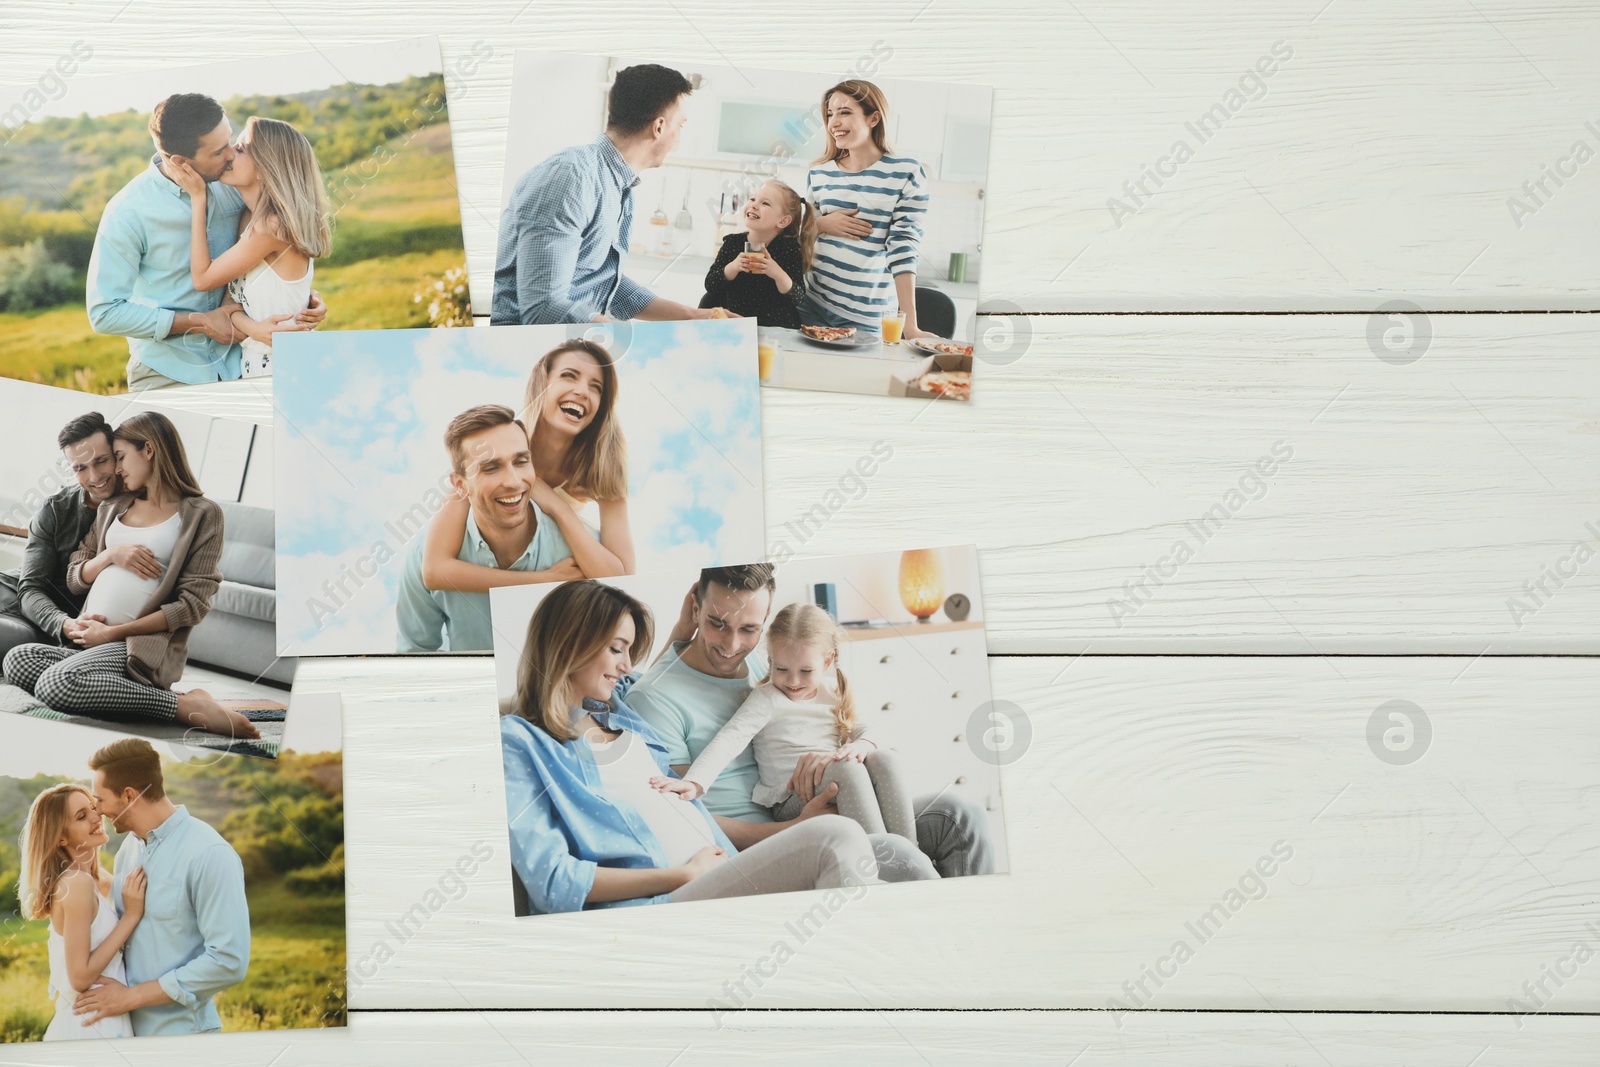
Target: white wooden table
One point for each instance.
(1225, 709)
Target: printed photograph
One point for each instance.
(418, 471)
(843, 214)
(757, 728)
(156, 889)
(137, 570)
(165, 228)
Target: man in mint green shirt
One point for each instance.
(139, 283)
(194, 939)
(492, 468)
(698, 683)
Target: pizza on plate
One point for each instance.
(829, 333)
(949, 384)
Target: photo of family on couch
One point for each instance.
(194, 229)
(147, 893)
(420, 472)
(751, 744)
(136, 570)
(846, 227)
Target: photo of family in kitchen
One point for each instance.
(843, 214)
(136, 570)
(746, 729)
(162, 229)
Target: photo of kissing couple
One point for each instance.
(751, 748)
(193, 230)
(149, 893)
(135, 571)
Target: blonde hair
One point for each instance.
(597, 465)
(45, 860)
(802, 222)
(872, 102)
(169, 461)
(809, 625)
(293, 196)
(570, 627)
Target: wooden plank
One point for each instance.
(1448, 505)
(913, 1039)
(1363, 168)
(1150, 791)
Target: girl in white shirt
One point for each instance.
(286, 229)
(804, 706)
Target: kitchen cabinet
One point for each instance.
(918, 687)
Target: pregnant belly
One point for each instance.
(119, 595)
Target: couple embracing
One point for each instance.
(701, 779)
(117, 571)
(209, 252)
(144, 949)
(539, 497)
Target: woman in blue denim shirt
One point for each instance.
(588, 827)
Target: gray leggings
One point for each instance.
(872, 792)
(827, 852)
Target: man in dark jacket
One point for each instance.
(35, 603)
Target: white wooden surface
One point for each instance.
(1416, 503)
(1419, 499)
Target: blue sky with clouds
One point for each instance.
(360, 424)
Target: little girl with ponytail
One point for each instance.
(766, 283)
(804, 706)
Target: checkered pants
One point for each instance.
(88, 681)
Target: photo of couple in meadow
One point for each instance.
(745, 747)
(825, 222)
(422, 471)
(135, 566)
(150, 894)
(221, 222)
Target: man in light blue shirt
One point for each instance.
(704, 675)
(565, 232)
(493, 471)
(194, 939)
(139, 282)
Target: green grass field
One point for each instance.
(396, 223)
(296, 979)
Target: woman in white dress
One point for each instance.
(64, 882)
(580, 460)
(285, 228)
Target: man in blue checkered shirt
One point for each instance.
(565, 231)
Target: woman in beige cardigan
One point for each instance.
(149, 567)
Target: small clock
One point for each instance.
(957, 607)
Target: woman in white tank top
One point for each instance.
(269, 270)
(63, 881)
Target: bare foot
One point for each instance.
(197, 708)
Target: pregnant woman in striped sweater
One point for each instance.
(870, 206)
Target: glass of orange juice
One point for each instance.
(892, 327)
(766, 355)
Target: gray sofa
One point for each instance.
(240, 633)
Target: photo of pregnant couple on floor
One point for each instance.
(739, 761)
(121, 577)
